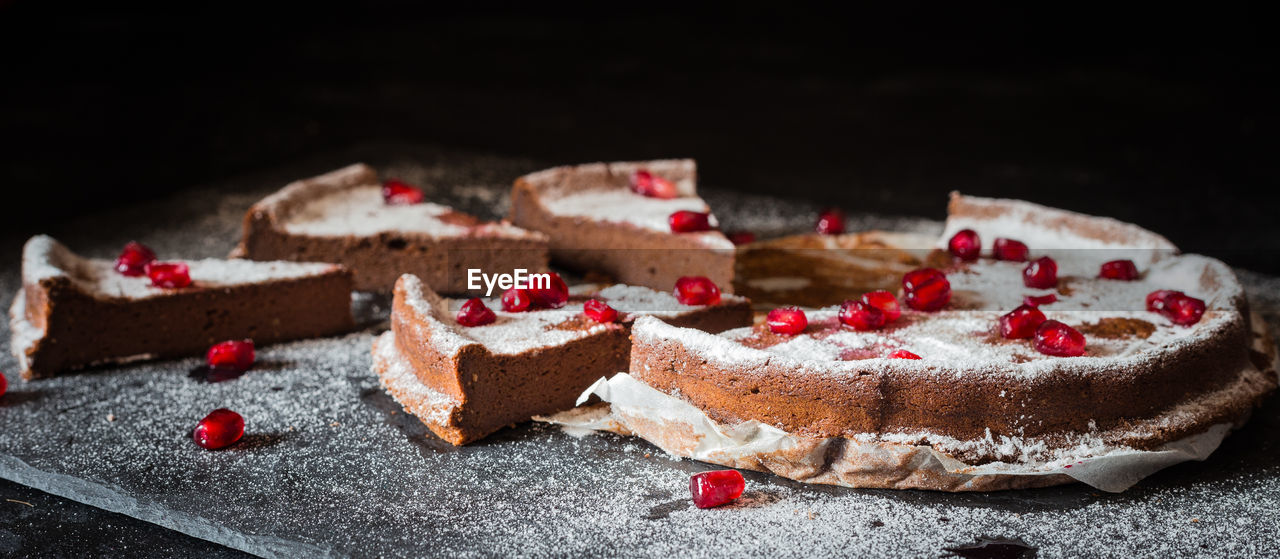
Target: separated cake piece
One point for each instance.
(381, 230)
(74, 312)
(468, 370)
(640, 222)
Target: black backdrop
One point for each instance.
(1164, 118)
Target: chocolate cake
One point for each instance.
(74, 312)
(976, 410)
(343, 217)
(599, 220)
(467, 382)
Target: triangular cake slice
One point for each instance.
(74, 312)
(467, 382)
(343, 217)
(598, 221)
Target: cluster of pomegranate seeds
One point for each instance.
(687, 221)
(1176, 306)
(965, 245)
(1058, 339)
(787, 320)
(715, 488)
(830, 222)
(1021, 323)
(1119, 270)
(475, 313)
(221, 428)
(553, 296)
(1041, 273)
(861, 316)
(697, 290)
(171, 275)
(599, 311)
(903, 354)
(1009, 249)
(134, 258)
(396, 192)
(741, 237)
(516, 300)
(651, 185)
(236, 355)
(1037, 300)
(926, 289)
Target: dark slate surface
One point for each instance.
(329, 466)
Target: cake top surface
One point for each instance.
(45, 258)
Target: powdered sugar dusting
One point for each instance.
(362, 211)
(396, 375)
(624, 206)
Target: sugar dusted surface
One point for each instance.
(362, 211)
(398, 377)
(619, 205)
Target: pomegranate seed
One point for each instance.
(1041, 273)
(697, 290)
(169, 275)
(1009, 249)
(1021, 323)
(134, 258)
(715, 488)
(685, 221)
(1058, 339)
(599, 311)
(965, 245)
(475, 313)
(651, 185)
(4, 384)
(742, 237)
(886, 302)
(553, 296)
(231, 354)
(903, 354)
(516, 300)
(787, 320)
(1156, 299)
(1119, 270)
(1182, 309)
(221, 428)
(830, 222)
(861, 316)
(396, 192)
(1037, 300)
(926, 289)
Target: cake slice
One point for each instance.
(380, 231)
(616, 218)
(467, 382)
(74, 312)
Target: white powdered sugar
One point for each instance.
(396, 375)
(631, 301)
(620, 205)
(362, 211)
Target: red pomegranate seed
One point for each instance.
(1156, 299)
(1009, 249)
(221, 428)
(926, 289)
(553, 296)
(396, 192)
(715, 488)
(1119, 270)
(651, 185)
(169, 275)
(235, 355)
(965, 245)
(4, 384)
(685, 221)
(1058, 339)
(742, 237)
(516, 300)
(903, 354)
(861, 316)
(1037, 300)
(1021, 323)
(475, 313)
(134, 258)
(1182, 309)
(599, 311)
(886, 302)
(787, 320)
(697, 290)
(830, 222)
(1041, 273)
